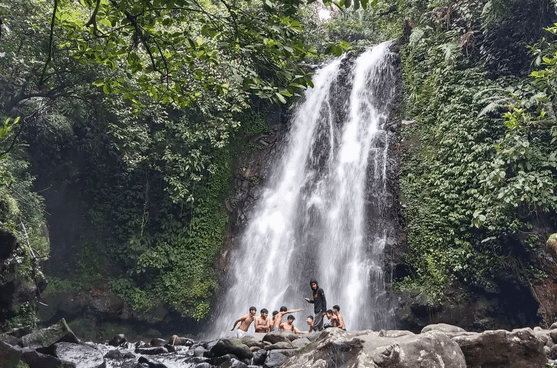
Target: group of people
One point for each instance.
(316, 322)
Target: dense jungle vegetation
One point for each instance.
(142, 107)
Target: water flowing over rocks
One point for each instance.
(437, 346)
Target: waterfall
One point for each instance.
(322, 214)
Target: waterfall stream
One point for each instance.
(322, 214)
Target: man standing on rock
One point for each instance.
(319, 304)
(263, 323)
(245, 320)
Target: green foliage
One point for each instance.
(478, 165)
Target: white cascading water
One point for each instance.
(322, 214)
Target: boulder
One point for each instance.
(9, 339)
(222, 359)
(553, 335)
(259, 357)
(233, 363)
(34, 359)
(118, 340)
(274, 337)
(158, 342)
(501, 348)
(552, 354)
(280, 345)
(300, 343)
(10, 356)
(274, 359)
(251, 341)
(443, 327)
(82, 356)
(151, 351)
(45, 337)
(151, 363)
(553, 326)
(334, 347)
(231, 346)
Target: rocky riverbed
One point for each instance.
(438, 345)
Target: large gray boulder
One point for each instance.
(368, 349)
(59, 332)
(231, 346)
(443, 327)
(501, 348)
(83, 356)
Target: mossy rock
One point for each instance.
(47, 336)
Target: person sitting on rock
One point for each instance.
(332, 318)
(336, 310)
(289, 325)
(309, 321)
(245, 320)
(278, 318)
(262, 323)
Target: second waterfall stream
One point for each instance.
(323, 211)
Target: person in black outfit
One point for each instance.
(319, 305)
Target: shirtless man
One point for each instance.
(336, 310)
(278, 318)
(245, 320)
(288, 325)
(309, 321)
(262, 323)
(334, 319)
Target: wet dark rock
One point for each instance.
(45, 337)
(197, 360)
(231, 346)
(114, 355)
(158, 342)
(151, 351)
(274, 337)
(170, 348)
(118, 340)
(221, 359)
(233, 363)
(34, 359)
(500, 348)
(151, 363)
(199, 351)
(203, 365)
(9, 355)
(552, 353)
(274, 359)
(82, 356)
(259, 357)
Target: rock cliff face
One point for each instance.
(14, 289)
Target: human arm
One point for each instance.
(322, 295)
(308, 300)
(238, 321)
(293, 311)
